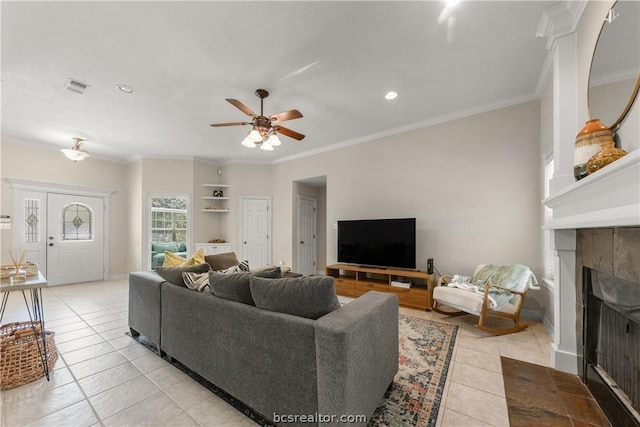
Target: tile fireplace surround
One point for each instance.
(596, 223)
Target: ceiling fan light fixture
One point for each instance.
(248, 142)
(273, 140)
(265, 146)
(255, 136)
(76, 153)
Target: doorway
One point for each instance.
(75, 235)
(307, 220)
(309, 226)
(63, 229)
(256, 230)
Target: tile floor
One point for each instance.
(565, 399)
(104, 378)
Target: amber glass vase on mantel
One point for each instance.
(595, 148)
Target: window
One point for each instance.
(32, 220)
(547, 250)
(168, 219)
(77, 222)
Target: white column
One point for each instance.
(564, 346)
(564, 110)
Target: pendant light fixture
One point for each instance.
(76, 153)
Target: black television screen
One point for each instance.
(378, 242)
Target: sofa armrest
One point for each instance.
(357, 355)
(145, 311)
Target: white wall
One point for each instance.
(23, 160)
(135, 213)
(472, 184)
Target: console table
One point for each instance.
(34, 285)
(353, 281)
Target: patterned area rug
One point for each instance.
(414, 397)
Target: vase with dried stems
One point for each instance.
(18, 274)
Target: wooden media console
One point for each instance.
(353, 281)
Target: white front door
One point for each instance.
(306, 235)
(256, 228)
(75, 239)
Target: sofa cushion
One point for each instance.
(173, 260)
(196, 281)
(222, 261)
(182, 247)
(234, 287)
(174, 274)
(160, 247)
(308, 296)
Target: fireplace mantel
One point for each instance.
(609, 197)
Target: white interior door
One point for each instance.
(306, 235)
(256, 228)
(75, 239)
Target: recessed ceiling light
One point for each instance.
(391, 95)
(126, 89)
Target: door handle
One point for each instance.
(301, 242)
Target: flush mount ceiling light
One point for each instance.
(265, 129)
(75, 153)
(391, 95)
(125, 88)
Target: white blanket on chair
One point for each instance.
(516, 277)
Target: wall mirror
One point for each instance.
(614, 78)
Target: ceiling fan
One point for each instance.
(264, 127)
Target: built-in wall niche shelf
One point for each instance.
(217, 193)
(216, 210)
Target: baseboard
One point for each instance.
(564, 361)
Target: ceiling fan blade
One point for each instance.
(217, 125)
(288, 132)
(286, 115)
(240, 106)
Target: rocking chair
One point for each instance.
(492, 291)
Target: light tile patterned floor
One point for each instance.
(104, 378)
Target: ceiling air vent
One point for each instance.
(75, 86)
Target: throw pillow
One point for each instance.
(174, 274)
(268, 273)
(244, 265)
(231, 270)
(196, 281)
(222, 261)
(308, 296)
(173, 260)
(234, 287)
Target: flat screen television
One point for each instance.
(378, 242)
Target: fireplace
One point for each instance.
(611, 345)
(608, 319)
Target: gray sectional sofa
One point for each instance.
(281, 365)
